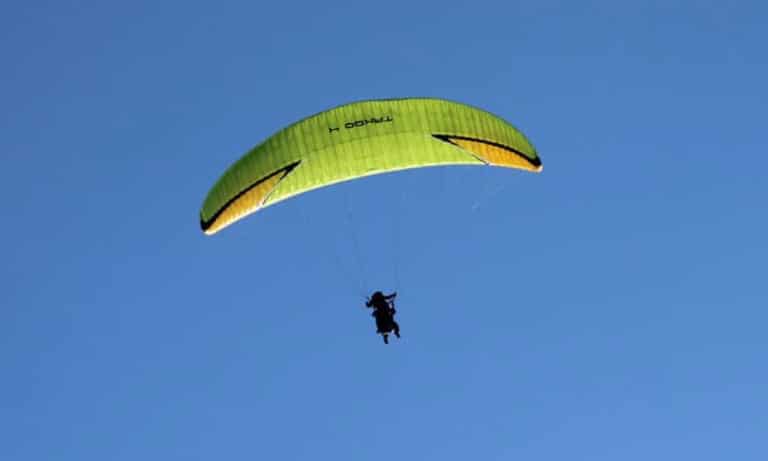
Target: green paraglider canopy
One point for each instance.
(362, 139)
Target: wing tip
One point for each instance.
(245, 202)
(206, 226)
(494, 153)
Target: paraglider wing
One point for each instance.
(362, 139)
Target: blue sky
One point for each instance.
(613, 307)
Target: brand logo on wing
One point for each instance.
(361, 123)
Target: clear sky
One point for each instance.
(611, 308)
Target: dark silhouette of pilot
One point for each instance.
(384, 313)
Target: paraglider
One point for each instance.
(357, 140)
